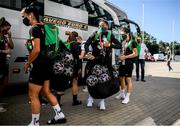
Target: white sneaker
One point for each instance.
(37, 124)
(2, 109)
(102, 105)
(120, 96)
(126, 100)
(85, 89)
(90, 102)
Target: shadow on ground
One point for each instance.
(158, 99)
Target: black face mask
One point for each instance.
(26, 21)
(124, 37)
(5, 32)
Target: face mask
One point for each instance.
(26, 21)
(138, 41)
(124, 36)
(5, 32)
(102, 30)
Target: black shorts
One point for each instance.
(60, 82)
(41, 71)
(77, 68)
(125, 70)
(4, 70)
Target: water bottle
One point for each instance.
(29, 45)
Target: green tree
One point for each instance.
(151, 43)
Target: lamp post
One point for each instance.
(173, 52)
(143, 22)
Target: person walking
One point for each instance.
(169, 58)
(40, 73)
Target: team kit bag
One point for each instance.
(64, 63)
(100, 84)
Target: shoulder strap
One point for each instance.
(109, 36)
(96, 36)
(68, 45)
(129, 44)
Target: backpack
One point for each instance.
(51, 33)
(64, 62)
(51, 40)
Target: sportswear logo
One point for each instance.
(35, 121)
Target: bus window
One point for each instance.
(97, 14)
(73, 3)
(38, 4)
(11, 4)
(120, 13)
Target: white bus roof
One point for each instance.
(119, 12)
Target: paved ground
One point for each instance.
(155, 102)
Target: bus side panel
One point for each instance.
(65, 12)
(19, 33)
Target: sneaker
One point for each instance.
(137, 79)
(85, 89)
(120, 96)
(143, 80)
(34, 124)
(76, 103)
(126, 100)
(2, 109)
(90, 103)
(59, 121)
(102, 106)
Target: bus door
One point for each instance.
(116, 52)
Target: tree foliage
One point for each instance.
(161, 46)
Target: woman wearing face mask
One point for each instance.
(6, 44)
(41, 71)
(129, 51)
(102, 43)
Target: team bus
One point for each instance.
(69, 15)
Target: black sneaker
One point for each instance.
(143, 80)
(137, 79)
(76, 103)
(59, 121)
(43, 101)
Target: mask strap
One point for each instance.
(100, 39)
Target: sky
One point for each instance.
(160, 17)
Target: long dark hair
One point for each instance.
(3, 24)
